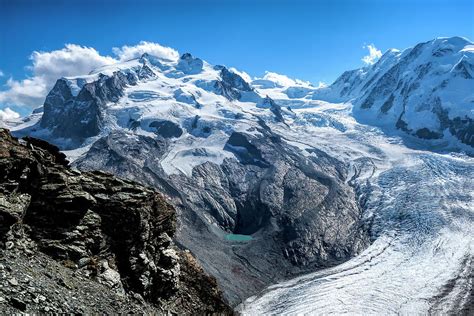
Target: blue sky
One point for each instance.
(309, 40)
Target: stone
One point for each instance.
(139, 298)
(17, 303)
(83, 262)
(110, 276)
(13, 282)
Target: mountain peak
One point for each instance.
(186, 56)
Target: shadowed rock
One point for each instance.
(113, 232)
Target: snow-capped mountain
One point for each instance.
(278, 167)
(210, 140)
(426, 90)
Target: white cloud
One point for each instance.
(28, 92)
(130, 52)
(8, 114)
(47, 67)
(284, 81)
(72, 60)
(374, 54)
(1, 73)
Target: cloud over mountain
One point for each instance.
(129, 52)
(8, 114)
(72, 60)
(373, 56)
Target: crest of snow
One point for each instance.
(243, 74)
(373, 56)
(468, 48)
(321, 85)
(8, 114)
(283, 80)
(184, 155)
(129, 52)
(110, 69)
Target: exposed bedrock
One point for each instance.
(266, 214)
(108, 237)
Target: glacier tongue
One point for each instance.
(421, 261)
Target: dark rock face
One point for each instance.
(275, 108)
(114, 234)
(464, 69)
(298, 209)
(463, 128)
(231, 84)
(243, 149)
(427, 134)
(234, 80)
(78, 117)
(190, 65)
(166, 129)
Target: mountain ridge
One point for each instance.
(440, 90)
(445, 65)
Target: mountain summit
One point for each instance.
(426, 91)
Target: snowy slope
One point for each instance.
(426, 91)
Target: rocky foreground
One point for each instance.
(89, 242)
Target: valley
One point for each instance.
(351, 198)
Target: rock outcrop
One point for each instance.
(231, 84)
(89, 242)
(73, 108)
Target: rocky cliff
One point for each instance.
(73, 242)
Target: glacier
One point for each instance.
(421, 208)
(367, 181)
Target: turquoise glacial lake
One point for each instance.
(237, 237)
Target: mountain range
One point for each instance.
(270, 178)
